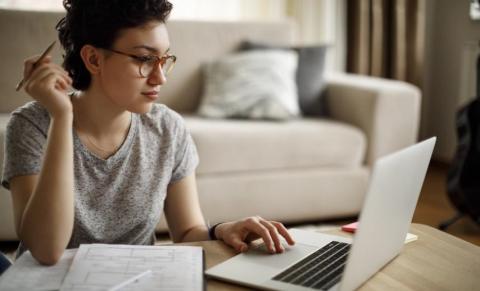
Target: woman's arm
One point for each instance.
(43, 204)
(186, 222)
(183, 213)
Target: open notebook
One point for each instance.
(102, 266)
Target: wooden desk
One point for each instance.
(436, 261)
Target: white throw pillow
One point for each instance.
(256, 84)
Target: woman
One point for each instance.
(103, 163)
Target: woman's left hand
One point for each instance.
(238, 233)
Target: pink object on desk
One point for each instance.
(352, 227)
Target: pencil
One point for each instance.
(129, 281)
(45, 53)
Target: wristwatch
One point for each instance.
(211, 231)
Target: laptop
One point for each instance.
(327, 262)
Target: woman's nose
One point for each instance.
(157, 77)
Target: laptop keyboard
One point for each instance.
(321, 270)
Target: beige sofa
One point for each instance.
(300, 170)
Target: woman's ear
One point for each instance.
(91, 57)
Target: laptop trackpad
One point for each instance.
(260, 255)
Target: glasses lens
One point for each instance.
(146, 68)
(168, 65)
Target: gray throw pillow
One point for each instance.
(253, 84)
(309, 77)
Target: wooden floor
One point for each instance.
(434, 207)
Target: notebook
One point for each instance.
(103, 266)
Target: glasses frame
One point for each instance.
(144, 59)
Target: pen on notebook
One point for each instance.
(131, 280)
(45, 53)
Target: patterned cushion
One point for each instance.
(253, 84)
(310, 74)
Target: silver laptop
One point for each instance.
(325, 262)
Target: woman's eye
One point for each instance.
(146, 59)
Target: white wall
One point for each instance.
(450, 32)
(318, 21)
(32, 4)
(229, 10)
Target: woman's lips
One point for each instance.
(151, 94)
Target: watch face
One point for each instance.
(475, 9)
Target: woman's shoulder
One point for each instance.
(33, 112)
(32, 108)
(164, 116)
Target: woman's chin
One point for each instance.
(142, 108)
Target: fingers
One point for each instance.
(29, 64)
(284, 232)
(59, 79)
(234, 235)
(62, 84)
(238, 233)
(44, 67)
(272, 239)
(275, 236)
(238, 244)
(254, 224)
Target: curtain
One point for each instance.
(385, 38)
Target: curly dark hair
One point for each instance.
(98, 23)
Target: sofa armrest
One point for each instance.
(7, 224)
(387, 111)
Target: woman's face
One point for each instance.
(119, 76)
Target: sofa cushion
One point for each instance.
(309, 77)
(253, 84)
(226, 146)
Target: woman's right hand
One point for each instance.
(49, 84)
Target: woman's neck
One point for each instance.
(98, 116)
(100, 124)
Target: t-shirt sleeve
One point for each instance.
(24, 142)
(186, 157)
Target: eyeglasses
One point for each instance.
(150, 62)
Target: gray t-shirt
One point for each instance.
(118, 200)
